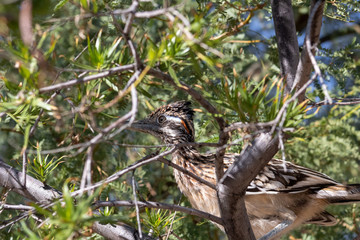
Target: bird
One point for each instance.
(281, 192)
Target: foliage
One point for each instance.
(67, 219)
(41, 168)
(228, 54)
(159, 221)
(328, 145)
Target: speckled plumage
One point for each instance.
(276, 194)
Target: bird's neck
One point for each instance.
(188, 150)
(184, 142)
(190, 155)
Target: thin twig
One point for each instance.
(86, 176)
(175, 235)
(17, 207)
(136, 203)
(240, 125)
(33, 128)
(281, 139)
(190, 37)
(146, 160)
(236, 28)
(121, 93)
(310, 53)
(12, 221)
(277, 229)
(286, 104)
(133, 112)
(144, 14)
(73, 82)
(172, 222)
(126, 34)
(131, 15)
(183, 170)
(305, 66)
(82, 71)
(24, 165)
(4, 192)
(158, 205)
(69, 148)
(195, 144)
(337, 101)
(308, 46)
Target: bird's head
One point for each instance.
(172, 123)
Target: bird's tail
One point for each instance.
(341, 194)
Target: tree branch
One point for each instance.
(17, 207)
(311, 47)
(233, 185)
(33, 190)
(305, 66)
(73, 82)
(288, 47)
(119, 231)
(25, 22)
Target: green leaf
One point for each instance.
(98, 41)
(113, 47)
(60, 4)
(26, 137)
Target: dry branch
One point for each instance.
(74, 82)
(158, 205)
(305, 66)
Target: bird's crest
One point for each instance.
(180, 109)
(173, 123)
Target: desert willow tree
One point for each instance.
(76, 74)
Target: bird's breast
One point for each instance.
(200, 196)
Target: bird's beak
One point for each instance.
(144, 126)
(140, 126)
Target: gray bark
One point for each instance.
(34, 190)
(305, 67)
(288, 47)
(233, 185)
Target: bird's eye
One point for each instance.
(161, 119)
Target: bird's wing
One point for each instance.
(279, 176)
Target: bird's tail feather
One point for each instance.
(323, 219)
(341, 194)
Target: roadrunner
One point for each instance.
(276, 195)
